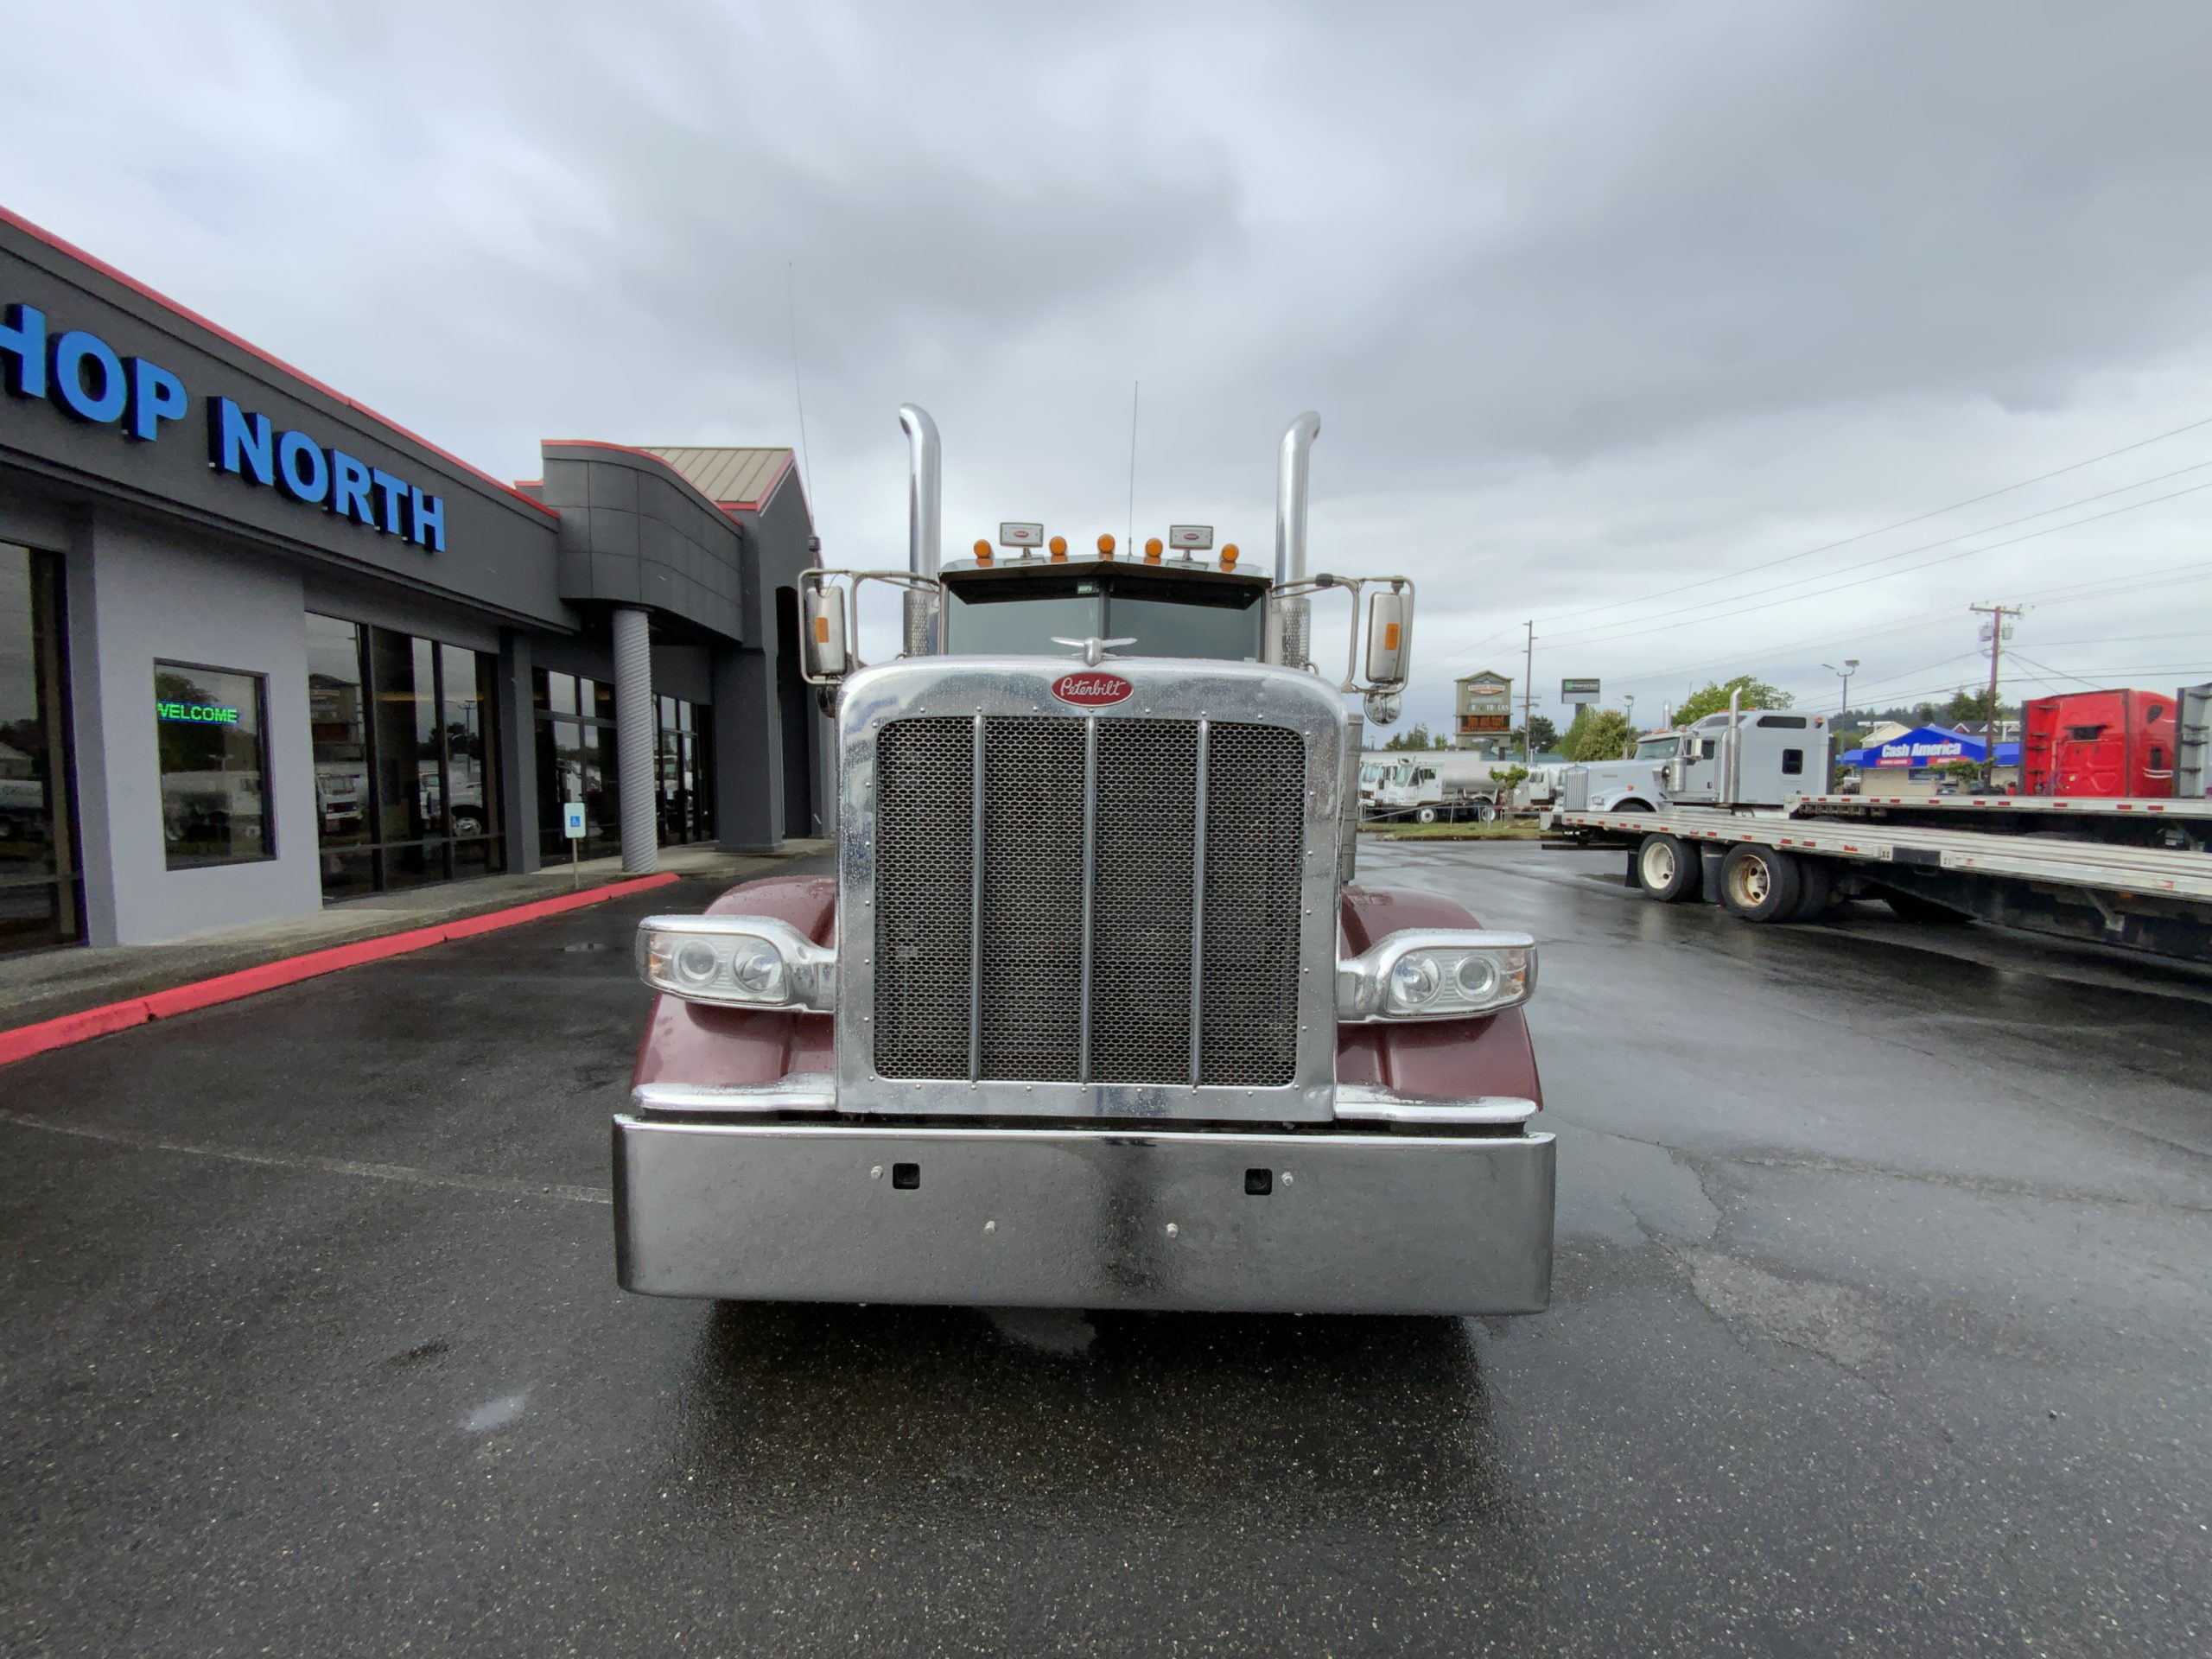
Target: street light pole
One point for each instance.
(1850, 667)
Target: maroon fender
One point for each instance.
(689, 1042)
(1446, 1058)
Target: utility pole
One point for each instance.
(1527, 689)
(1996, 631)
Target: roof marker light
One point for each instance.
(1152, 550)
(982, 551)
(1229, 555)
(1058, 545)
(1105, 547)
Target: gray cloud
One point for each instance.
(1591, 299)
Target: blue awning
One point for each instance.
(1929, 746)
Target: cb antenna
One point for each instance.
(798, 395)
(1136, 386)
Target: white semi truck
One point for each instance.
(1732, 829)
(1440, 786)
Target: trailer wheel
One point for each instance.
(1760, 884)
(1484, 811)
(1668, 870)
(1426, 815)
(1817, 877)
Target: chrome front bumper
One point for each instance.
(1444, 1222)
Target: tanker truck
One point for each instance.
(1094, 1013)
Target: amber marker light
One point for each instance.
(982, 551)
(1229, 555)
(1105, 547)
(1058, 545)
(1152, 550)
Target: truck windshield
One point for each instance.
(1023, 617)
(1657, 749)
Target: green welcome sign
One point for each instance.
(196, 714)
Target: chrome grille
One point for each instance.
(1031, 858)
(1251, 905)
(923, 871)
(1137, 918)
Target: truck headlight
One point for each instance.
(1437, 973)
(742, 962)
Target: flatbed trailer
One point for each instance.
(2131, 873)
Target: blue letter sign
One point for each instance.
(84, 377)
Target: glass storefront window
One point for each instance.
(576, 762)
(685, 773)
(415, 720)
(41, 886)
(338, 719)
(214, 765)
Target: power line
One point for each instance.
(2169, 575)
(1902, 523)
(1860, 582)
(1925, 547)
(2060, 672)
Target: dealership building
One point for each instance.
(261, 650)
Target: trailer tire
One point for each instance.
(1668, 870)
(1816, 879)
(1760, 884)
(1426, 815)
(1484, 811)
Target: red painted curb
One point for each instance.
(59, 1033)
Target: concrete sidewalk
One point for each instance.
(47, 984)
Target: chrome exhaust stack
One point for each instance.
(925, 524)
(1293, 616)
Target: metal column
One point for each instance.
(635, 760)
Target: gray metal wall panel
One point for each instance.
(384, 606)
(634, 533)
(499, 548)
(519, 750)
(748, 769)
(141, 592)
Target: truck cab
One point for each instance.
(1094, 1012)
(1739, 757)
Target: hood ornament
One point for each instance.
(1093, 651)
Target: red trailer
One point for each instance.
(2103, 744)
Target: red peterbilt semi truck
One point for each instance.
(1093, 1014)
(2098, 745)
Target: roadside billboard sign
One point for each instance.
(1578, 690)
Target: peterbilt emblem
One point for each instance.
(1092, 691)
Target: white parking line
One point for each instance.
(402, 1172)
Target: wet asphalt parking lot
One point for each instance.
(1880, 1325)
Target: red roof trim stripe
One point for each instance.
(62, 246)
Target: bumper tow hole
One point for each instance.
(1258, 1182)
(905, 1175)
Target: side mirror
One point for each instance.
(1389, 636)
(1382, 708)
(823, 624)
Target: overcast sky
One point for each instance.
(1604, 307)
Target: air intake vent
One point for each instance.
(1138, 918)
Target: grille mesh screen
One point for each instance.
(1253, 853)
(924, 853)
(1032, 913)
(1140, 933)
(1144, 846)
